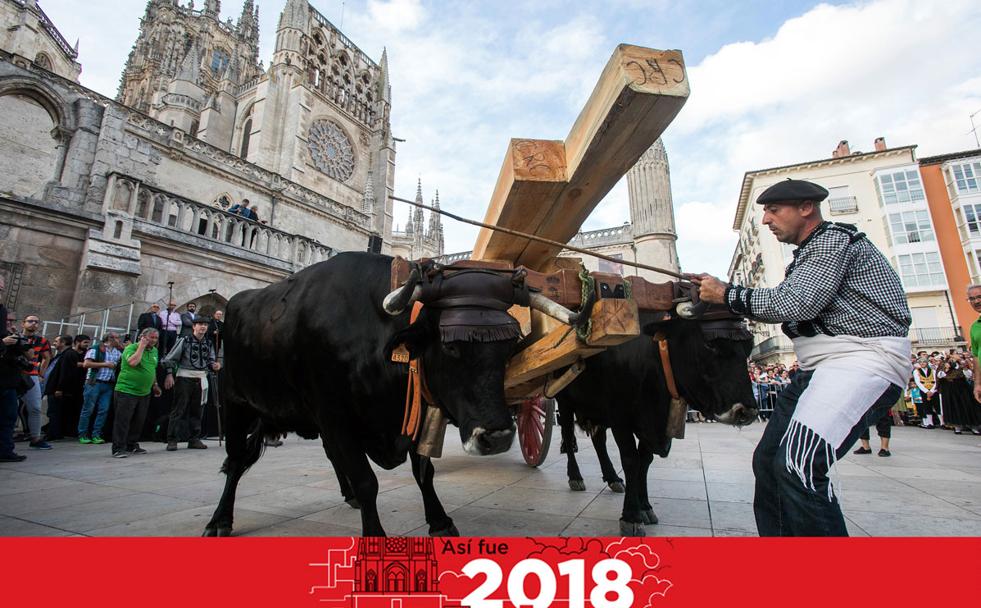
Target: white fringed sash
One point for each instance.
(850, 374)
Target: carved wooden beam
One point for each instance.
(549, 188)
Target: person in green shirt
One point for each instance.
(137, 381)
(974, 298)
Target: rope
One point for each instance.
(539, 239)
(588, 289)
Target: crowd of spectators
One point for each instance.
(78, 382)
(939, 395)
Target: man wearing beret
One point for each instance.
(845, 310)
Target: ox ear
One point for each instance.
(415, 338)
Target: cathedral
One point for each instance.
(112, 204)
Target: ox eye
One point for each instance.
(451, 349)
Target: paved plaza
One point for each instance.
(930, 486)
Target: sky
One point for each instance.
(772, 83)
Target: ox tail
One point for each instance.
(243, 461)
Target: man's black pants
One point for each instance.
(187, 401)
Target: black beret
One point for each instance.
(792, 190)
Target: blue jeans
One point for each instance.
(8, 418)
(97, 395)
(783, 505)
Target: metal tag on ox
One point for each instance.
(400, 354)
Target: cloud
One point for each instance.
(396, 15)
(894, 68)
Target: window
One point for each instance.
(966, 176)
(910, 227)
(246, 138)
(900, 187)
(219, 60)
(972, 213)
(921, 270)
(42, 61)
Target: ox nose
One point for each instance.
(738, 415)
(494, 442)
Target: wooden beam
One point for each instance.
(532, 176)
(613, 322)
(557, 349)
(550, 188)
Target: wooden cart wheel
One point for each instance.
(536, 417)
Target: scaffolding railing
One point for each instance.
(93, 323)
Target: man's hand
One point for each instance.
(169, 382)
(10, 341)
(710, 289)
(977, 393)
(144, 342)
(216, 366)
(156, 390)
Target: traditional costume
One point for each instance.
(845, 310)
(929, 409)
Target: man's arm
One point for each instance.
(137, 356)
(800, 297)
(45, 361)
(977, 378)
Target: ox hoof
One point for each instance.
(649, 516)
(577, 485)
(210, 532)
(630, 528)
(353, 503)
(448, 531)
(617, 486)
(219, 531)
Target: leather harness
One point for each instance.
(662, 345)
(417, 391)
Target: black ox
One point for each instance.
(312, 354)
(624, 389)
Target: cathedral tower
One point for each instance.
(652, 212)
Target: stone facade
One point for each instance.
(102, 204)
(30, 38)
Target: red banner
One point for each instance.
(490, 572)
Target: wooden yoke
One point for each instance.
(549, 188)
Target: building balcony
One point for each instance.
(773, 344)
(843, 205)
(163, 213)
(936, 336)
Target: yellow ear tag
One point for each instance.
(400, 354)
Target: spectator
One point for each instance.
(214, 331)
(170, 323)
(187, 319)
(925, 377)
(64, 388)
(41, 358)
(102, 363)
(243, 210)
(12, 363)
(151, 318)
(137, 379)
(190, 360)
(960, 408)
(63, 344)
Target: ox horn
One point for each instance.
(684, 310)
(404, 296)
(553, 309)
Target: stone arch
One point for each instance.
(396, 578)
(122, 195)
(35, 127)
(207, 303)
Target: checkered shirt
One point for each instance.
(104, 374)
(838, 284)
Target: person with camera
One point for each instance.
(40, 355)
(102, 363)
(13, 364)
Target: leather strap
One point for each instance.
(417, 392)
(662, 346)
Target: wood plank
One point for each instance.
(638, 94)
(533, 174)
(614, 322)
(557, 349)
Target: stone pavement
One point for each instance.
(930, 486)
